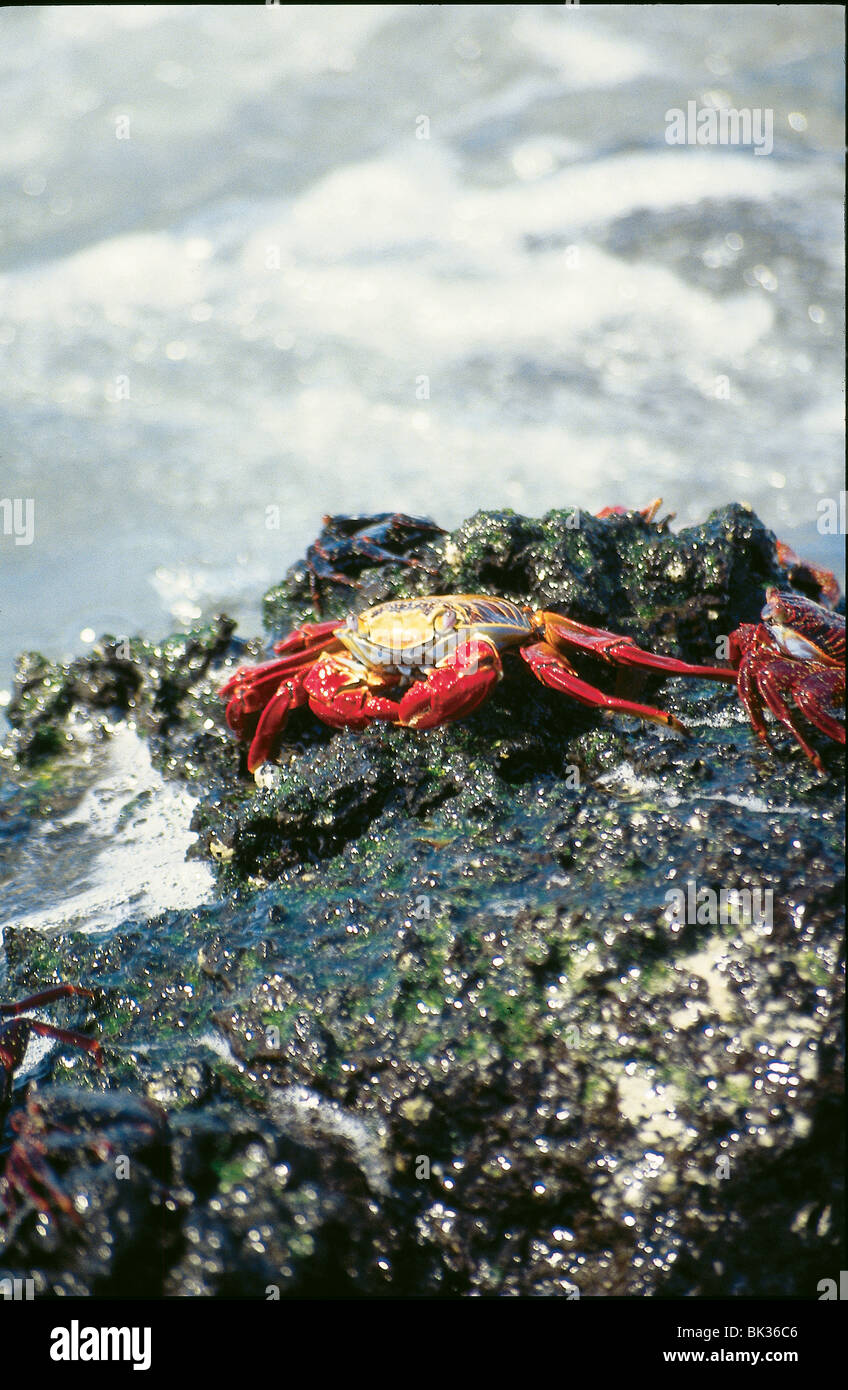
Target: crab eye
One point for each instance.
(351, 622)
(775, 607)
(445, 620)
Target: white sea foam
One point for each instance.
(119, 854)
(273, 293)
(307, 1109)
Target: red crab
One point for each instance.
(359, 540)
(21, 1167)
(797, 652)
(352, 542)
(423, 662)
(64, 1128)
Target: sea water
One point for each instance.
(257, 264)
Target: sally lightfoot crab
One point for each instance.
(351, 542)
(21, 1166)
(796, 652)
(60, 1133)
(422, 662)
(419, 663)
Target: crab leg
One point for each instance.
(46, 996)
(452, 691)
(289, 694)
(261, 697)
(17, 1040)
(370, 550)
(26, 1165)
(18, 1173)
(772, 681)
(648, 512)
(310, 636)
(552, 669)
(622, 651)
(15, 1035)
(822, 685)
(749, 694)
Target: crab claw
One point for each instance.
(452, 691)
(260, 698)
(259, 701)
(344, 704)
(247, 693)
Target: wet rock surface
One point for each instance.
(442, 1030)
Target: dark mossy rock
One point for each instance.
(163, 688)
(620, 572)
(444, 1030)
(675, 594)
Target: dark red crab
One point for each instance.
(22, 1172)
(796, 652)
(64, 1128)
(422, 662)
(351, 542)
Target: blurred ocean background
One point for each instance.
(432, 258)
